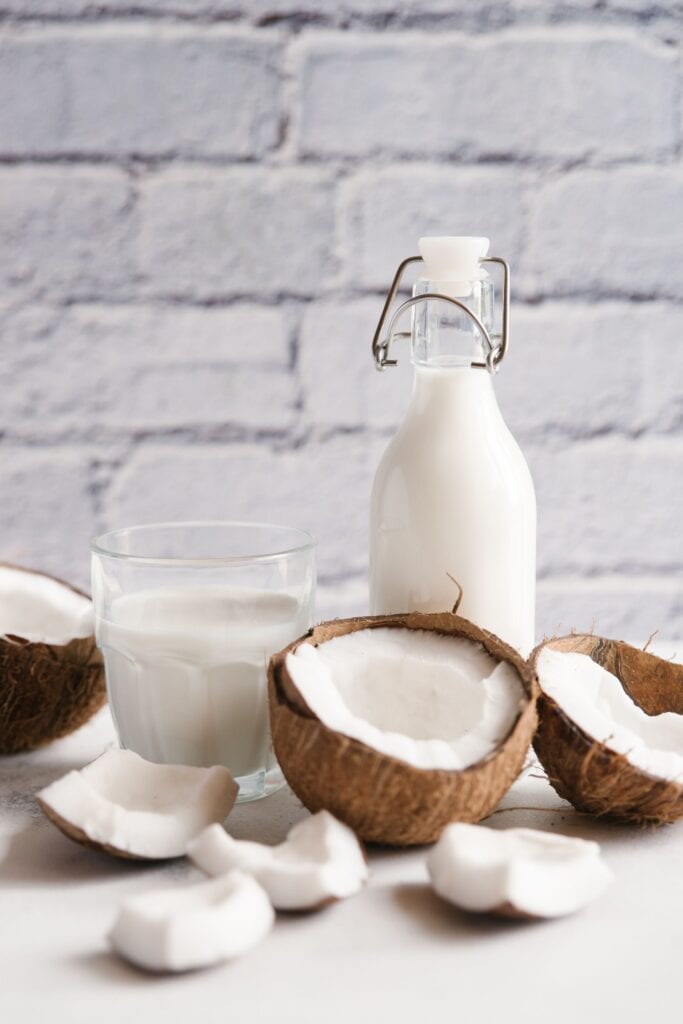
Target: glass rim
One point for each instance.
(98, 544)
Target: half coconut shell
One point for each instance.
(587, 773)
(46, 689)
(384, 799)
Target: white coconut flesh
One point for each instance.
(434, 701)
(595, 700)
(193, 926)
(40, 609)
(128, 805)
(524, 871)
(320, 861)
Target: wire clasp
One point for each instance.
(496, 345)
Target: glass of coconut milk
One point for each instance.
(187, 617)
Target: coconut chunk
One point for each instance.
(194, 926)
(518, 872)
(596, 701)
(435, 701)
(132, 808)
(320, 861)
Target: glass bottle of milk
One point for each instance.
(453, 498)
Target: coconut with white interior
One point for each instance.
(610, 732)
(320, 862)
(517, 872)
(193, 926)
(51, 673)
(400, 724)
(131, 808)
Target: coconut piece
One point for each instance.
(194, 926)
(51, 673)
(132, 808)
(519, 872)
(400, 724)
(320, 861)
(610, 734)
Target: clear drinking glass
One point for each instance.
(187, 616)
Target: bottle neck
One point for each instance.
(444, 328)
(464, 393)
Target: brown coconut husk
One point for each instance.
(47, 690)
(588, 774)
(383, 799)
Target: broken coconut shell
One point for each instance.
(194, 926)
(320, 862)
(586, 772)
(382, 798)
(47, 689)
(519, 873)
(136, 809)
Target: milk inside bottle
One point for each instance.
(453, 498)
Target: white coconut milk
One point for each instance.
(453, 494)
(186, 672)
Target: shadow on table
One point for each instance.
(568, 822)
(40, 854)
(445, 921)
(268, 820)
(109, 967)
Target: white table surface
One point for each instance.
(393, 953)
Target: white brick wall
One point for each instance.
(442, 95)
(201, 202)
(65, 232)
(320, 484)
(207, 234)
(382, 208)
(609, 232)
(141, 90)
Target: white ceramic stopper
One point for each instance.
(452, 257)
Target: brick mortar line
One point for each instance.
(102, 470)
(304, 430)
(287, 303)
(582, 24)
(548, 585)
(526, 297)
(467, 157)
(476, 24)
(668, 578)
(214, 437)
(337, 171)
(559, 583)
(668, 581)
(126, 15)
(678, 97)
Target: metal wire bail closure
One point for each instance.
(496, 346)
